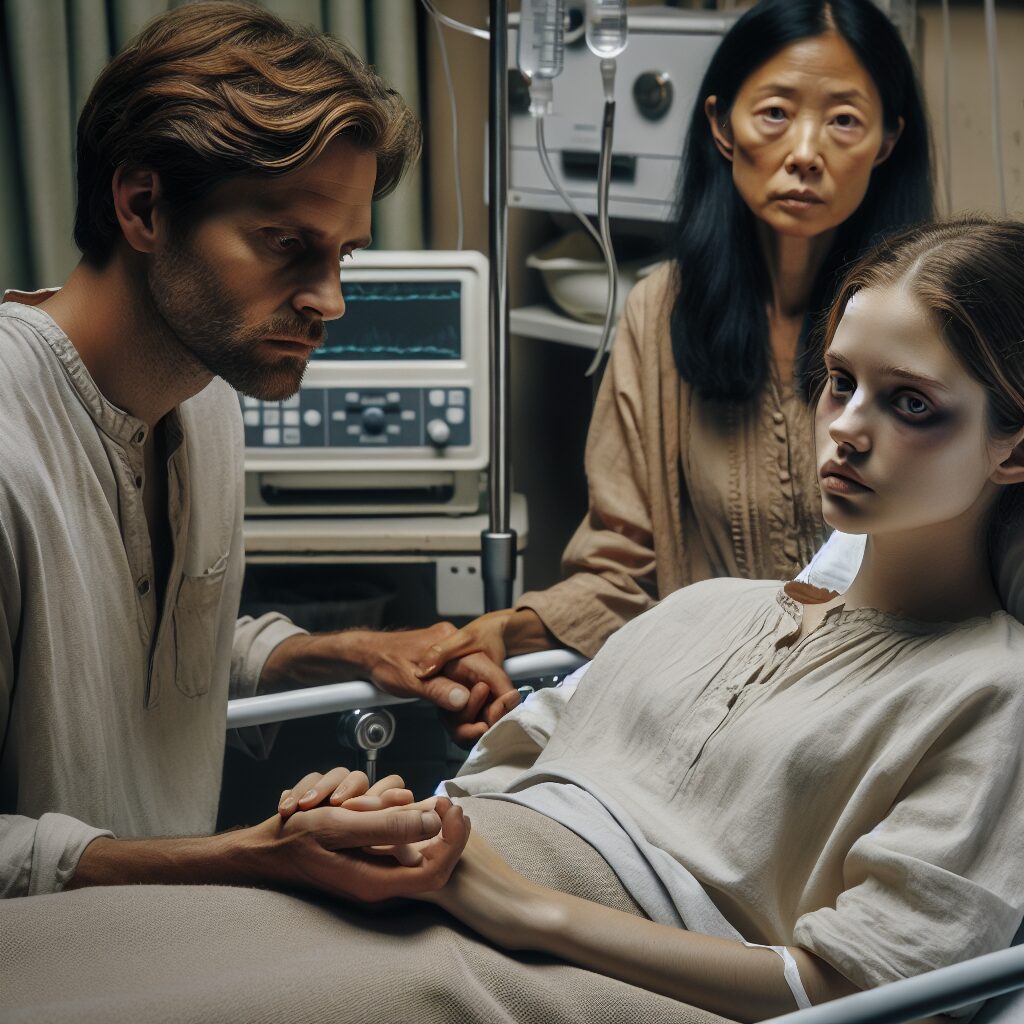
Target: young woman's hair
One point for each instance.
(719, 322)
(969, 276)
(209, 91)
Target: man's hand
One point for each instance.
(326, 849)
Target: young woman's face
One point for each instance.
(804, 133)
(901, 428)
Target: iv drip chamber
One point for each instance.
(541, 50)
(606, 27)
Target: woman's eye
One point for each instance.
(846, 121)
(912, 405)
(775, 115)
(840, 385)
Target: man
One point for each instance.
(225, 161)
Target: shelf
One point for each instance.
(543, 322)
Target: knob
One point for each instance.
(373, 420)
(439, 433)
(652, 92)
(312, 417)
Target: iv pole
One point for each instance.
(498, 543)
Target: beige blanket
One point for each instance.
(191, 954)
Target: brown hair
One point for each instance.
(969, 275)
(209, 91)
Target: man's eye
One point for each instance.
(285, 243)
(912, 405)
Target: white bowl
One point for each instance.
(576, 278)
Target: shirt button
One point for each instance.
(777, 417)
(143, 586)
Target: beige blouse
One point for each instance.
(681, 489)
(857, 791)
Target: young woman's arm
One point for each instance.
(720, 975)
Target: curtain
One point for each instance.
(51, 52)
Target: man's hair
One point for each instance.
(210, 91)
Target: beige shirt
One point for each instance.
(859, 793)
(680, 489)
(111, 717)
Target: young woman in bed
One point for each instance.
(841, 774)
(808, 143)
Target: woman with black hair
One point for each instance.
(809, 142)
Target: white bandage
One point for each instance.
(790, 972)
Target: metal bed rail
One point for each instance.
(939, 991)
(335, 697)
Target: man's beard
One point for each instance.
(186, 295)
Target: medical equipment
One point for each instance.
(392, 415)
(658, 76)
(540, 50)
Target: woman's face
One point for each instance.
(901, 427)
(803, 136)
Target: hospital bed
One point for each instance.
(998, 976)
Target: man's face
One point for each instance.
(247, 288)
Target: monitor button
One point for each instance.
(436, 397)
(312, 417)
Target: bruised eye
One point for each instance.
(840, 385)
(912, 405)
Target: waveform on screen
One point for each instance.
(376, 292)
(379, 342)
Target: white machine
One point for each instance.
(659, 73)
(392, 415)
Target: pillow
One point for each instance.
(837, 561)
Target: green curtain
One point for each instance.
(51, 52)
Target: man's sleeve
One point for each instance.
(254, 640)
(36, 856)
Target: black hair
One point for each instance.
(719, 323)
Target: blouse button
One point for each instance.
(143, 586)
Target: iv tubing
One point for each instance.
(545, 161)
(997, 139)
(947, 88)
(480, 33)
(604, 173)
(460, 217)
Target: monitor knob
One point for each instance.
(439, 433)
(373, 420)
(652, 92)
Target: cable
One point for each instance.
(545, 161)
(997, 139)
(480, 33)
(947, 88)
(460, 234)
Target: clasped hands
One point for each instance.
(368, 844)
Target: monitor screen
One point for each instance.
(396, 320)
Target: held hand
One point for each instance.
(343, 788)
(392, 660)
(484, 635)
(325, 849)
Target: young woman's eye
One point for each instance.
(912, 405)
(840, 385)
